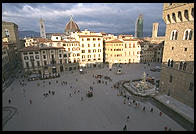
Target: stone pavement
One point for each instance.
(179, 107)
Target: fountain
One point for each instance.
(142, 86)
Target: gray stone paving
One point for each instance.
(104, 111)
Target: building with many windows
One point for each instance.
(177, 74)
(125, 49)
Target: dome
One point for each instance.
(71, 26)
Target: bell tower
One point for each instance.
(42, 29)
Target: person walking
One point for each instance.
(128, 118)
(9, 101)
(151, 110)
(30, 101)
(144, 108)
(125, 128)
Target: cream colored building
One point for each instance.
(123, 50)
(91, 48)
(177, 75)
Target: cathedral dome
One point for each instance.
(71, 26)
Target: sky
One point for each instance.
(98, 17)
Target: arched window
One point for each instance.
(184, 66)
(181, 64)
(186, 14)
(192, 12)
(168, 63)
(174, 17)
(172, 63)
(188, 34)
(180, 15)
(168, 18)
(174, 35)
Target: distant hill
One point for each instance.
(23, 34)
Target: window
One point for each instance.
(174, 35)
(31, 58)
(60, 61)
(170, 79)
(83, 51)
(38, 64)
(180, 15)
(188, 34)
(192, 12)
(52, 56)
(168, 63)
(45, 63)
(83, 56)
(25, 53)
(68, 49)
(170, 4)
(65, 60)
(191, 86)
(99, 39)
(89, 51)
(30, 52)
(88, 45)
(60, 55)
(36, 56)
(26, 57)
(174, 17)
(7, 34)
(36, 52)
(65, 55)
(44, 52)
(44, 56)
(94, 39)
(181, 64)
(57, 38)
(168, 18)
(88, 39)
(27, 64)
(172, 48)
(186, 15)
(99, 45)
(82, 45)
(171, 63)
(82, 39)
(52, 52)
(184, 66)
(185, 49)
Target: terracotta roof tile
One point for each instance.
(114, 41)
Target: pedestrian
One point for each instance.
(81, 98)
(49, 82)
(128, 118)
(165, 128)
(9, 101)
(30, 101)
(49, 91)
(160, 113)
(169, 129)
(125, 128)
(133, 101)
(144, 108)
(70, 94)
(151, 110)
(56, 81)
(70, 86)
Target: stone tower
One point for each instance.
(177, 74)
(139, 27)
(42, 29)
(155, 30)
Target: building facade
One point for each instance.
(122, 50)
(177, 74)
(139, 27)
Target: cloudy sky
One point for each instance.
(107, 17)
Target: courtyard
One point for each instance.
(69, 109)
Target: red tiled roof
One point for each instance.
(71, 41)
(114, 41)
(57, 34)
(30, 48)
(90, 35)
(130, 40)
